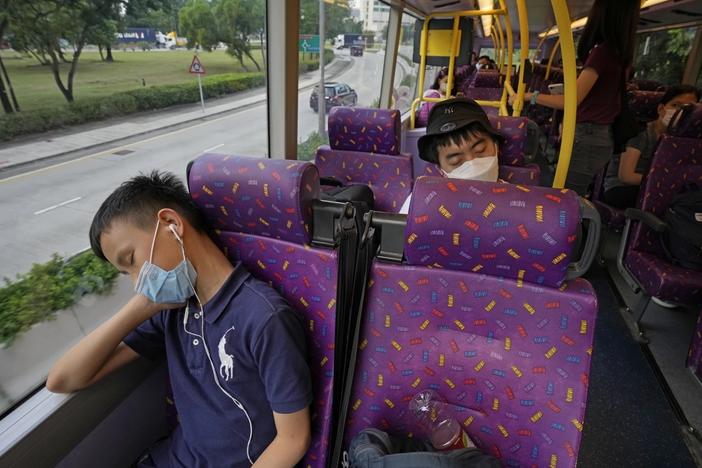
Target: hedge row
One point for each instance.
(128, 102)
(48, 287)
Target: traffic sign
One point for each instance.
(196, 67)
(308, 43)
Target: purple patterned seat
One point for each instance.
(423, 112)
(481, 312)
(486, 79)
(694, 356)
(647, 85)
(677, 161)
(644, 104)
(365, 149)
(261, 211)
(390, 177)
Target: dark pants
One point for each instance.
(592, 150)
(622, 197)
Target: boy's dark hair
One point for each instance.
(678, 90)
(139, 199)
(456, 137)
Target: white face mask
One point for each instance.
(669, 113)
(485, 169)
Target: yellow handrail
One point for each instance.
(422, 70)
(523, 56)
(452, 55)
(495, 45)
(556, 46)
(570, 96)
(510, 53)
(541, 43)
(501, 36)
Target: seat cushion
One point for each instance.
(663, 280)
(527, 175)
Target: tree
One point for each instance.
(197, 23)
(6, 91)
(338, 18)
(237, 21)
(44, 28)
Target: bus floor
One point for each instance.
(629, 421)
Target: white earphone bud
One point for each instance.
(172, 227)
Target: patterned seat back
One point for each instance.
(677, 161)
(647, 85)
(261, 213)
(486, 79)
(481, 313)
(644, 104)
(364, 148)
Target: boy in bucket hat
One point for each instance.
(461, 141)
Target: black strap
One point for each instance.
(366, 251)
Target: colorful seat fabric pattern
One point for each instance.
(261, 212)
(364, 129)
(511, 357)
(644, 104)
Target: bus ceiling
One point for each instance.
(655, 14)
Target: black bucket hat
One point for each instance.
(450, 115)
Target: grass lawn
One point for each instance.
(35, 87)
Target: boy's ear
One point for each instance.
(169, 217)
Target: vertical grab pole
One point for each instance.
(496, 46)
(523, 55)
(501, 43)
(570, 96)
(556, 46)
(452, 57)
(541, 43)
(422, 67)
(510, 53)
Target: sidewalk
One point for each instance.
(41, 148)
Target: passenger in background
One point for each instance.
(625, 171)
(235, 349)
(483, 62)
(461, 141)
(607, 48)
(437, 90)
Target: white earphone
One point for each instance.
(172, 227)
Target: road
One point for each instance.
(49, 210)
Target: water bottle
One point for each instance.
(444, 430)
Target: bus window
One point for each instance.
(662, 55)
(48, 204)
(406, 71)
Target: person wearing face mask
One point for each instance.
(235, 349)
(461, 141)
(436, 90)
(625, 171)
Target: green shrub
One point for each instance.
(307, 149)
(408, 80)
(49, 287)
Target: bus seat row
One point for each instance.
(646, 85)
(261, 212)
(644, 104)
(365, 149)
(677, 163)
(486, 309)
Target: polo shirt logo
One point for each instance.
(226, 361)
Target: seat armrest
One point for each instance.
(649, 219)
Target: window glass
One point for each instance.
(662, 55)
(133, 60)
(406, 71)
(347, 24)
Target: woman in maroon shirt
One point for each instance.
(606, 48)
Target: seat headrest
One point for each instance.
(687, 123)
(365, 129)
(504, 230)
(644, 104)
(487, 79)
(514, 129)
(265, 197)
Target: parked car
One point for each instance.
(335, 94)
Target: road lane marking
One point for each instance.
(213, 148)
(111, 150)
(58, 205)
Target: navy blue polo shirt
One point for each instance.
(256, 365)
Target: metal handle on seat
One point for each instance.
(592, 242)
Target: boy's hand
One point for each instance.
(150, 307)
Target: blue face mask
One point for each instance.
(174, 286)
